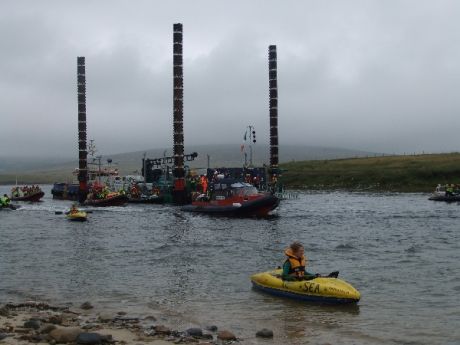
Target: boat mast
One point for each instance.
(82, 153)
(273, 94)
(179, 191)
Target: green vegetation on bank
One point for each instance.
(416, 173)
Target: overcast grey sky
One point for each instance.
(372, 75)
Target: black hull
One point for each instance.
(10, 207)
(77, 219)
(259, 207)
(445, 198)
(34, 197)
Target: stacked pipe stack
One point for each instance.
(82, 150)
(273, 92)
(179, 191)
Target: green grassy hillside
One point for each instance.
(417, 173)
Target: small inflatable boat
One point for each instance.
(321, 289)
(32, 197)
(79, 216)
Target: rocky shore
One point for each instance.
(42, 323)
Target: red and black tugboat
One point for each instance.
(26, 193)
(234, 198)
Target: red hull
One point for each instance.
(118, 200)
(31, 197)
(258, 205)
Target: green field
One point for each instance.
(416, 173)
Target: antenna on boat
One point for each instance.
(144, 166)
(82, 153)
(179, 192)
(273, 94)
(250, 134)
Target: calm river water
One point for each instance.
(401, 251)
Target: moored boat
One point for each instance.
(321, 289)
(233, 198)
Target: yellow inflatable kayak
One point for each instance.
(321, 289)
(79, 216)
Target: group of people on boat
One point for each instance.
(448, 189)
(19, 192)
(5, 201)
(199, 183)
(139, 190)
(135, 191)
(98, 192)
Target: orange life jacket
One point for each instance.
(204, 183)
(297, 264)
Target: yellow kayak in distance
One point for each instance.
(79, 216)
(321, 289)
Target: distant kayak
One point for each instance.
(79, 216)
(321, 289)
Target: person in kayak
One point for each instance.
(295, 264)
(73, 209)
(294, 268)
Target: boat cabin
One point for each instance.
(229, 188)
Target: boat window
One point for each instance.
(245, 191)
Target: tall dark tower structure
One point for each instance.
(179, 191)
(273, 92)
(82, 150)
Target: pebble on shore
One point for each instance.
(226, 335)
(41, 323)
(265, 333)
(86, 306)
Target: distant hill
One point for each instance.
(44, 170)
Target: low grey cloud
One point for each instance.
(371, 75)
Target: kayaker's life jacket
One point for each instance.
(297, 264)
